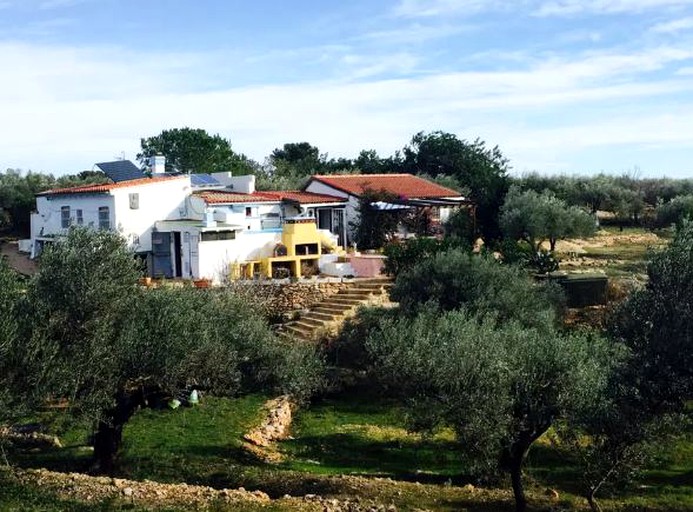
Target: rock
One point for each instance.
(552, 493)
(128, 491)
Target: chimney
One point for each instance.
(209, 219)
(157, 163)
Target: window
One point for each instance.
(104, 217)
(80, 217)
(65, 217)
(134, 201)
(248, 211)
(213, 236)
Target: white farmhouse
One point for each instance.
(405, 191)
(192, 226)
(218, 226)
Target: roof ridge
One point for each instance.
(105, 187)
(376, 175)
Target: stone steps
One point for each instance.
(329, 314)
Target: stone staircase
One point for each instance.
(327, 316)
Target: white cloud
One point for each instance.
(59, 4)
(430, 8)
(673, 26)
(571, 7)
(414, 33)
(66, 108)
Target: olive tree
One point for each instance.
(499, 385)
(96, 339)
(538, 217)
(646, 400)
(9, 299)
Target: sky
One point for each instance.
(561, 86)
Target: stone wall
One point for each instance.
(280, 299)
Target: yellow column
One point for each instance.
(297, 267)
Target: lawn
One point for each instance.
(336, 437)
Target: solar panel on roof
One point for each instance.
(121, 170)
(204, 180)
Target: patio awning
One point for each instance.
(405, 204)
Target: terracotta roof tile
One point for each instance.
(220, 197)
(106, 187)
(403, 185)
(301, 197)
(266, 196)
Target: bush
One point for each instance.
(454, 279)
(404, 254)
(460, 226)
(674, 212)
(9, 326)
(348, 349)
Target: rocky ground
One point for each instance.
(17, 260)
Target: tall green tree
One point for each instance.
(646, 403)
(656, 323)
(539, 217)
(191, 150)
(297, 159)
(482, 170)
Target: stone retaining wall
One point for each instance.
(281, 299)
(276, 424)
(89, 488)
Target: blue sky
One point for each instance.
(575, 86)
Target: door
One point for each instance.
(325, 219)
(177, 254)
(161, 255)
(338, 226)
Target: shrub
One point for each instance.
(674, 212)
(454, 279)
(460, 225)
(404, 254)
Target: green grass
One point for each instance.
(197, 445)
(361, 436)
(625, 258)
(350, 435)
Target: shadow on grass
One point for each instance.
(356, 453)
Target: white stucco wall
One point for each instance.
(48, 218)
(215, 257)
(165, 200)
(351, 210)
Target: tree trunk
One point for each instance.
(552, 244)
(108, 437)
(514, 457)
(518, 489)
(592, 501)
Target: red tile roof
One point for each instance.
(298, 196)
(268, 196)
(105, 187)
(403, 185)
(221, 197)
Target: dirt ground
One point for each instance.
(17, 260)
(612, 252)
